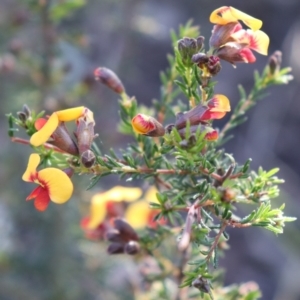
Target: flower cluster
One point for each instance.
(230, 42)
(115, 215)
(198, 118)
(55, 184)
(122, 202)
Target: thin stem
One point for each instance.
(46, 145)
(215, 243)
(182, 293)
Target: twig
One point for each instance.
(46, 145)
(182, 292)
(215, 243)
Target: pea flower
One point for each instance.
(53, 122)
(53, 184)
(104, 204)
(215, 108)
(147, 125)
(230, 41)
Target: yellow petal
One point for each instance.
(228, 14)
(251, 22)
(59, 184)
(122, 193)
(41, 136)
(137, 214)
(33, 162)
(222, 16)
(260, 42)
(70, 114)
(97, 211)
(221, 103)
(150, 194)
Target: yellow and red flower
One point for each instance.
(215, 108)
(107, 206)
(147, 125)
(233, 43)
(53, 184)
(48, 128)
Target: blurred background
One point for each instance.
(48, 51)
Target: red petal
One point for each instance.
(39, 123)
(210, 115)
(34, 193)
(212, 136)
(247, 55)
(42, 200)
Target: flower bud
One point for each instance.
(147, 125)
(115, 248)
(88, 158)
(227, 194)
(113, 235)
(275, 62)
(201, 284)
(200, 59)
(125, 230)
(110, 79)
(187, 47)
(22, 116)
(85, 136)
(132, 248)
(26, 110)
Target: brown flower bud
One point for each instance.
(88, 158)
(275, 62)
(132, 248)
(22, 116)
(201, 284)
(187, 47)
(113, 235)
(26, 110)
(115, 248)
(110, 79)
(125, 230)
(84, 134)
(200, 59)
